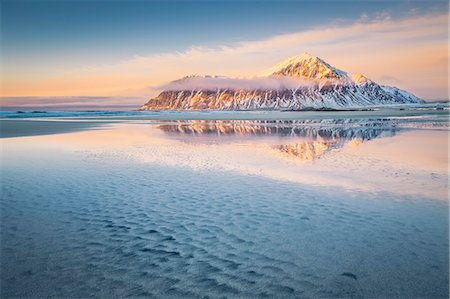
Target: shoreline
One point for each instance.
(11, 128)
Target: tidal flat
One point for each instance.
(237, 205)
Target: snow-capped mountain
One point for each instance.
(308, 67)
(300, 82)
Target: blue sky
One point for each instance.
(70, 29)
(49, 38)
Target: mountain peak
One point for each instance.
(305, 55)
(308, 66)
(301, 58)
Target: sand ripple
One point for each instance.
(105, 227)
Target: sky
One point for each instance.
(95, 50)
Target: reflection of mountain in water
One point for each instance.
(307, 150)
(315, 137)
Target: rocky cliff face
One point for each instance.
(313, 83)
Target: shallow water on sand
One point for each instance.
(325, 208)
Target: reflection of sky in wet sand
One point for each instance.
(370, 155)
(357, 154)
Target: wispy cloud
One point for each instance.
(390, 80)
(272, 82)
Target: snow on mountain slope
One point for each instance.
(300, 82)
(308, 67)
(397, 93)
(360, 79)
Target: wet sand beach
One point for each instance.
(328, 207)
